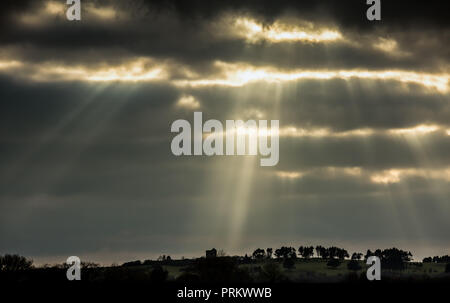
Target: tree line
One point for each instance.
(393, 258)
(307, 252)
(437, 259)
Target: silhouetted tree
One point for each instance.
(332, 252)
(259, 254)
(368, 254)
(395, 258)
(356, 256)
(319, 251)
(437, 259)
(285, 252)
(378, 253)
(306, 252)
(85, 265)
(269, 253)
(247, 259)
(342, 253)
(14, 263)
(324, 252)
(392, 258)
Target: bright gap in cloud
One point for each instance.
(387, 176)
(241, 74)
(395, 175)
(188, 102)
(227, 74)
(299, 132)
(254, 31)
(420, 129)
(288, 174)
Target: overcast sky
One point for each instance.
(86, 107)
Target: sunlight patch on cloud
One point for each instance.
(188, 102)
(239, 74)
(225, 74)
(288, 174)
(384, 177)
(254, 31)
(292, 131)
(419, 129)
(251, 113)
(329, 171)
(105, 13)
(54, 7)
(140, 69)
(132, 72)
(9, 64)
(390, 47)
(246, 131)
(396, 175)
(57, 9)
(298, 132)
(350, 171)
(303, 132)
(43, 14)
(387, 177)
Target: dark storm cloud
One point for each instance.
(198, 52)
(10, 8)
(401, 13)
(190, 36)
(86, 166)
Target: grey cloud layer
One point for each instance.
(197, 41)
(86, 167)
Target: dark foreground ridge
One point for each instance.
(331, 273)
(284, 265)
